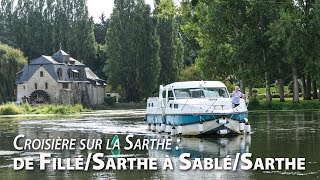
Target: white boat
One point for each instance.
(196, 108)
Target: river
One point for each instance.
(275, 134)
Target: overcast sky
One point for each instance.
(96, 7)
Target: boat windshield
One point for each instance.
(217, 92)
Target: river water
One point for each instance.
(276, 134)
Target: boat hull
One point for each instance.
(201, 124)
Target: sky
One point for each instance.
(96, 7)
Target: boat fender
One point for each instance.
(246, 120)
(247, 128)
(180, 129)
(149, 127)
(200, 126)
(168, 128)
(223, 131)
(241, 126)
(163, 127)
(173, 131)
(153, 127)
(222, 121)
(159, 128)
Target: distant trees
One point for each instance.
(143, 49)
(253, 43)
(171, 47)
(257, 41)
(40, 26)
(11, 61)
(133, 49)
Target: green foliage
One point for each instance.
(38, 27)
(230, 86)
(255, 91)
(288, 105)
(171, 47)
(253, 103)
(191, 73)
(133, 49)
(13, 109)
(110, 101)
(10, 109)
(11, 61)
(27, 107)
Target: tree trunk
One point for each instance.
(308, 87)
(242, 86)
(250, 90)
(315, 91)
(295, 85)
(268, 93)
(281, 88)
(303, 82)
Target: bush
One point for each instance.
(255, 91)
(110, 101)
(261, 96)
(27, 107)
(61, 110)
(254, 103)
(10, 109)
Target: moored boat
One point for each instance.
(196, 108)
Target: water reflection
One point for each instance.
(280, 134)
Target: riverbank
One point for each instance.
(13, 109)
(276, 105)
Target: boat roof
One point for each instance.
(195, 84)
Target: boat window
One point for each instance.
(164, 95)
(182, 93)
(201, 93)
(196, 93)
(170, 95)
(215, 92)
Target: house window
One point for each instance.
(35, 86)
(65, 85)
(59, 73)
(41, 73)
(70, 73)
(46, 85)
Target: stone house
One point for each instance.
(59, 79)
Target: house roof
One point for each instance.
(60, 52)
(91, 75)
(52, 63)
(43, 60)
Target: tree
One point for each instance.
(5, 18)
(11, 61)
(100, 29)
(171, 47)
(133, 49)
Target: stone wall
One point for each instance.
(27, 88)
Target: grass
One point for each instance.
(272, 89)
(256, 104)
(13, 109)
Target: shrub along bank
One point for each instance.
(256, 104)
(13, 109)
